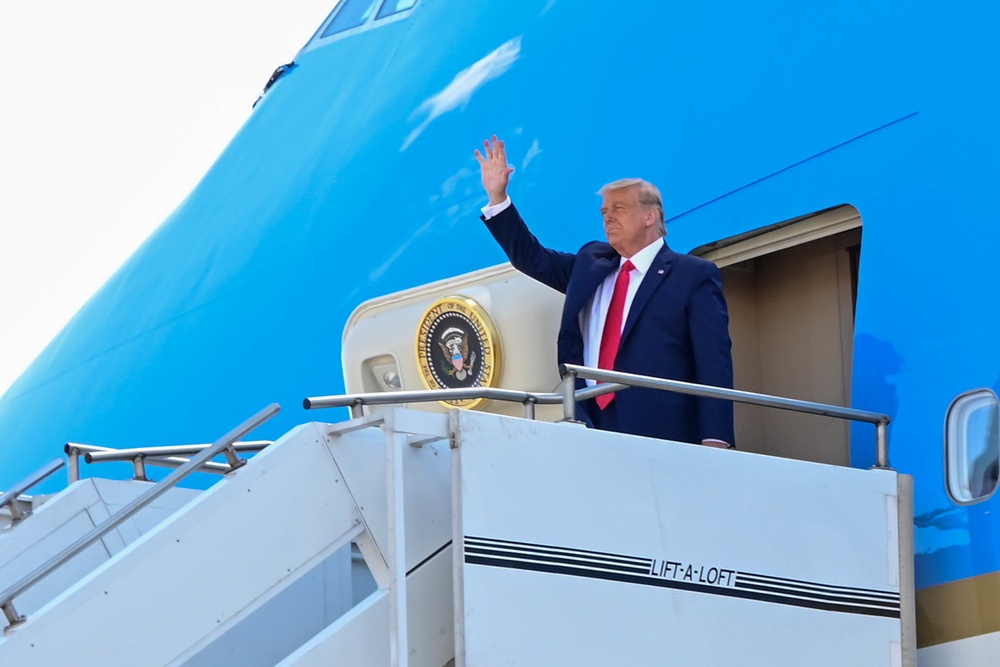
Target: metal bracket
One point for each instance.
(354, 425)
(73, 454)
(139, 469)
(13, 618)
(17, 511)
(420, 441)
(232, 458)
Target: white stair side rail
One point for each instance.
(63, 519)
(414, 492)
(396, 549)
(219, 559)
(400, 477)
(222, 445)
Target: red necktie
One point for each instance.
(611, 337)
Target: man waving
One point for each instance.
(632, 305)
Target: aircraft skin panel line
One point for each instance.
(795, 164)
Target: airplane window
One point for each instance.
(972, 445)
(350, 17)
(394, 7)
(351, 14)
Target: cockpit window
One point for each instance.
(390, 7)
(351, 16)
(972, 445)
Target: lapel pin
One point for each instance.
(660, 272)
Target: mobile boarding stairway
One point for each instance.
(491, 540)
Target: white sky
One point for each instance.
(110, 113)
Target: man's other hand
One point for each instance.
(712, 442)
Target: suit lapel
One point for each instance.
(658, 271)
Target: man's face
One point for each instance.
(628, 225)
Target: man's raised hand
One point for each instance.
(495, 171)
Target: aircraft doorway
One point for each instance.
(791, 290)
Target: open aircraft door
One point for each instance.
(581, 547)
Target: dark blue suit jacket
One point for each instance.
(677, 327)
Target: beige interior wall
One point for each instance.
(791, 320)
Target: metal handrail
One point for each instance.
(219, 446)
(170, 456)
(75, 449)
(613, 381)
(10, 497)
(526, 398)
(571, 371)
(108, 454)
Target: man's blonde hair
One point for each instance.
(648, 195)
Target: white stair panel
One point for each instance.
(184, 584)
(287, 620)
(583, 547)
(426, 481)
(66, 517)
(360, 638)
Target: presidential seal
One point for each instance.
(457, 348)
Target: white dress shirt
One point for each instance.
(491, 210)
(594, 314)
